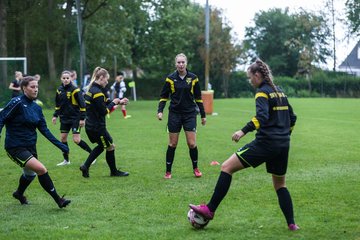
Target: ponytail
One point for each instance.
(98, 72)
(264, 70)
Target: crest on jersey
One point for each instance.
(188, 80)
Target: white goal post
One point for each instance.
(17, 59)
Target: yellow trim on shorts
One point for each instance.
(238, 153)
(19, 161)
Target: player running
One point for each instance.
(98, 105)
(22, 116)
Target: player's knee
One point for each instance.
(230, 166)
(77, 140)
(173, 144)
(41, 170)
(192, 145)
(225, 167)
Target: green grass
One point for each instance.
(323, 178)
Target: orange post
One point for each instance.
(208, 101)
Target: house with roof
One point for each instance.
(351, 64)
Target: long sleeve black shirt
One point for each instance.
(274, 118)
(184, 94)
(98, 105)
(69, 104)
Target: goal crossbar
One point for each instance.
(16, 59)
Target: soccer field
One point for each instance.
(323, 178)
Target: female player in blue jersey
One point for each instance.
(22, 116)
(274, 121)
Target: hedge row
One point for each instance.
(320, 84)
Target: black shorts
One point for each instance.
(74, 126)
(178, 120)
(101, 137)
(255, 153)
(21, 155)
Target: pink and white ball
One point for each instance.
(196, 220)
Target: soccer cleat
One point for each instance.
(20, 197)
(203, 210)
(63, 202)
(119, 173)
(127, 116)
(167, 175)
(293, 227)
(63, 163)
(85, 171)
(197, 173)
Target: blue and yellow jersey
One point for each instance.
(22, 116)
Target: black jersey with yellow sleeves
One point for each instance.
(98, 105)
(69, 104)
(274, 118)
(184, 94)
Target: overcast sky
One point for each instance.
(240, 15)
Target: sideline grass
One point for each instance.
(323, 178)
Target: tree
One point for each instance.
(135, 34)
(353, 15)
(183, 30)
(283, 39)
(224, 53)
(171, 32)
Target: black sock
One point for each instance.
(84, 146)
(48, 185)
(66, 155)
(194, 156)
(170, 154)
(221, 189)
(110, 159)
(24, 182)
(286, 205)
(93, 155)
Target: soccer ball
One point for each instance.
(196, 220)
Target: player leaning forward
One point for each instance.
(22, 116)
(274, 121)
(98, 106)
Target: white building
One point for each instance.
(351, 64)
